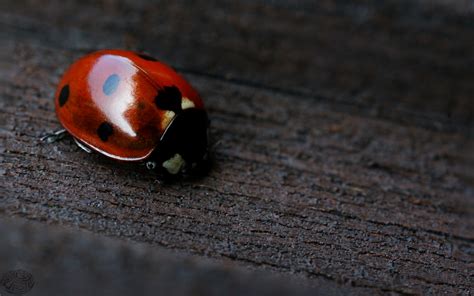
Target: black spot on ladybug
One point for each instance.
(63, 95)
(169, 98)
(147, 57)
(104, 131)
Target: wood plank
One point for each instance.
(85, 264)
(408, 61)
(303, 181)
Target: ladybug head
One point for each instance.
(183, 145)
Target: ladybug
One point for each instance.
(131, 107)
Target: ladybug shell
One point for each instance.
(120, 103)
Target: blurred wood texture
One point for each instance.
(343, 130)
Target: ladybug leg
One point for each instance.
(82, 146)
(54, 136)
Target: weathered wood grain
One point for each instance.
(408, 61)
(337, 153)
(75, 262)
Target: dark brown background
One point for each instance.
(343, 160)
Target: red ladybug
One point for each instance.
(130, 107)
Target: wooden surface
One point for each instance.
(75, 262)
(342, 130)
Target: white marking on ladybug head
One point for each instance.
(174, 164)
(186, 103)
(166, 119)
(169, 115)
